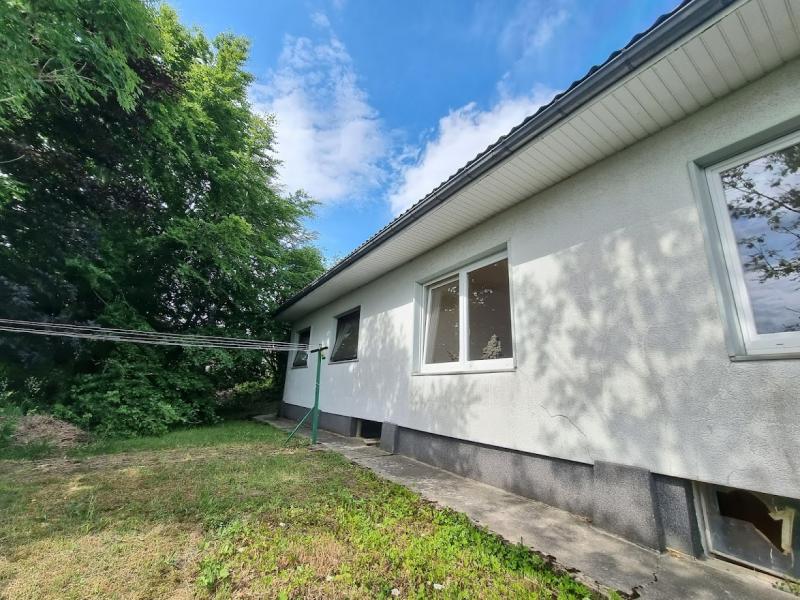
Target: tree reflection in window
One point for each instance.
(763, 199)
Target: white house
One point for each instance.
(601, 310)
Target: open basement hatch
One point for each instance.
(758, 530)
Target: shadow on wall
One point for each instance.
(620, 353)
(384, 379)
(622, 358)
(619, 346)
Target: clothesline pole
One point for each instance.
(315, 413)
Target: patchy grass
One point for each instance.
(227, 512)
(27, 452)
(230, 433)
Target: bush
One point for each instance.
(139, 393)
(248, 398)
(9, 413)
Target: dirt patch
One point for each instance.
(45, 429)
(157, 562)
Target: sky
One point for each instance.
(376, 102)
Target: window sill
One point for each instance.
(299, 366)
(764, 356)
(464, 371)
(342, 362)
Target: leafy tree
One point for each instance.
(137, 190)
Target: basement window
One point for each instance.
(370, 430)
(468, 319)
(301, 356)
(346, 345)
(756, 202)
(758, 530)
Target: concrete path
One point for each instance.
(592, 556)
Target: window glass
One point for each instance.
(346, 345)
(301, 356)
(763, 201)
(489, 311)
(468, 319)
(442, 338)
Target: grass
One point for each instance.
(234, 432)
(227, 512)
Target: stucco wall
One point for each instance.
(619, 341)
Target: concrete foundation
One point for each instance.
(341, 424)
(652, 510)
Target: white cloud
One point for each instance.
(329, 137)
(333, 144)
(532, 26)
(459, 137)
(320, 19)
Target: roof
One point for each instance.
(666, 31)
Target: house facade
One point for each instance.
(602, 310)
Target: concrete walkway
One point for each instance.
(592, 556)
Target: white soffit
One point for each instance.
(738, 46)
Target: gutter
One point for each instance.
(667, 29)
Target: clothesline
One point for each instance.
(109, 334)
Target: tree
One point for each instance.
(138, 191)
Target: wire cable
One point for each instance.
(93, 332)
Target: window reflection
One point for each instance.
(763, 199)
(301, 356)
(346, 345)
(442, 343)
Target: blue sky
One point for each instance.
(377, 102)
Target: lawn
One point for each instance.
(226, 511)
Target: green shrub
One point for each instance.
(246, 397)
(9, 413)
(139, 393)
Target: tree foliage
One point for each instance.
(137, 190)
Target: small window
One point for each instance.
(468, 319)
(301, 356)
(756, 198)
(346, 345)
(759, 530)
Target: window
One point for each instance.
(442, 343)
(756, 201)
(758, 530)
(346, 345)
(301, 356)
(468, 319)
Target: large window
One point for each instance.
(468, 319)
(756, 199)
(301, 356)
(346, 345)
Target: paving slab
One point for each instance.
(594, 557)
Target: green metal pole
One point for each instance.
(315, 414)
(298, 426)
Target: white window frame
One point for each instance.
(756, 344)
(464, 364)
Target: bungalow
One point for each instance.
(601, 311)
